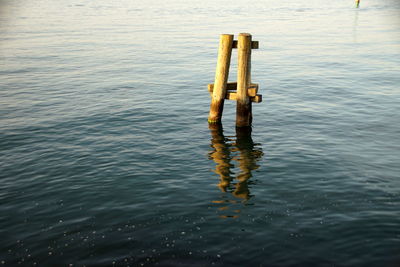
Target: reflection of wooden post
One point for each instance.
(221, 156)
(357, 3)
(245, 153)
(247, 159)
(245, 145)
(243, 106)
(221, 78)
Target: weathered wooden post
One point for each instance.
(221, 78)
(243, 106)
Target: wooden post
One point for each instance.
(243, 106)
(221, 78)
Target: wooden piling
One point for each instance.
(221, 78)
(243, 107)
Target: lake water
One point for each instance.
(106, 156)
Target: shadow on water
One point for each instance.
(235, 158)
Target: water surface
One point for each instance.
(106, 157)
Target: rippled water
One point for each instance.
(107, 158)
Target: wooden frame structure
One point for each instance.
(243, 91)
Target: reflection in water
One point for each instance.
(229, 153)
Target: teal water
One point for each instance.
(106, 157)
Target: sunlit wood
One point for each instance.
(243, 106)
(221, 78)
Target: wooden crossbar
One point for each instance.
(231, 95)
(254, 44)
(232, 86)
(231, 91)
